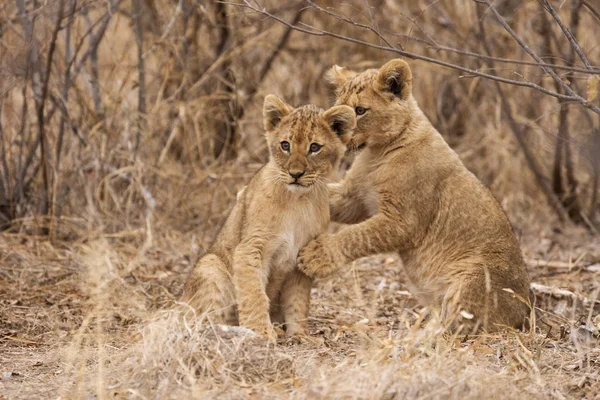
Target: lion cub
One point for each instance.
(252, 264)
(408, 192)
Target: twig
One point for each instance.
(65, 89)
(538, 288)
(227, 136)
(94, 41)
(21, 170)
(32, 66)
(280, 45)
(6, 175)
(594, 12)
(169, 27)
(40, 109)
(439, 47)
(95, 74)
(139, 38)
(556, 264)
(269, 62)
(60, 104)
(570, 36)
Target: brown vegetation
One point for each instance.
(127, 127)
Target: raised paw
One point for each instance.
(316, 259)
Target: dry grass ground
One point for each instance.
(86, 289)
(92, 320)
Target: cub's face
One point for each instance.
(381, 99)
(306, 143)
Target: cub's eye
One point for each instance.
(360, 110)
(285, 146)
(314, 147)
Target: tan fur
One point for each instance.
(408, 192)
(251, 265)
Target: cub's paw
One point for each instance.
(316, 259)
(267, 332)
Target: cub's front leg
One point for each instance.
(250, 280)
(382, 233)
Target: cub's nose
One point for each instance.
(296, 174)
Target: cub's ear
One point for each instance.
(337, 76)
(274, 110)
(395, 77)
(342, 121)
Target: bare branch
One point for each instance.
(562, 152)
(518, 133)
(139, 38)
(594, 12)
(548, 70)
(317, 32)
(568, 34)
(169, 27)
(269, 61)
(95, 75)
(40, 110)
(95, 39)
(439, 47)
(65, 88)
(6, 176)
(21, 170)
(280, 45)
(39, 84)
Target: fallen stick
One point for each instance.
(577, 264)
(558, 293)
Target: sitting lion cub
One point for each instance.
(252, 263)
(408, 192)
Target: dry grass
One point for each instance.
(94, 320)
(85, 311)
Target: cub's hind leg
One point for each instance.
(488, 304)
(295, 302)
(209, 289)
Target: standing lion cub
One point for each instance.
(408, 192)
(252, 264)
